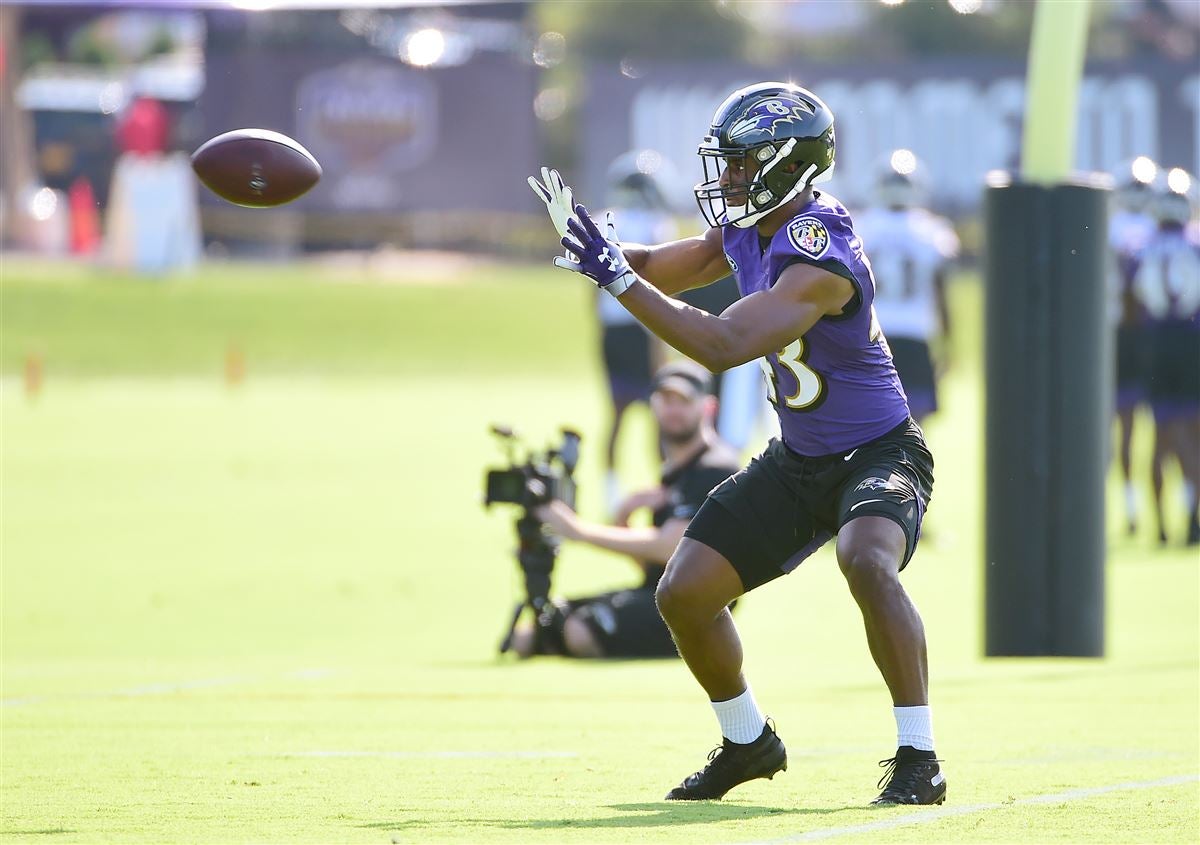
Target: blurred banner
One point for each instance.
(961, 116)
(390, 137)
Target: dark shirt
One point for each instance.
(687, 487)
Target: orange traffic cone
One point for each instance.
(235, 365)
(33, 375)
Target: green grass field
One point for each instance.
(269, 613)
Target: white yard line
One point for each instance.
(436, 755)
(925, 816)
(168, 687)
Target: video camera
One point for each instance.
(537, 479)
(534, 480)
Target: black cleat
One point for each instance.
(732, 763)
(912, 777)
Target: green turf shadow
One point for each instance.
(649, 814)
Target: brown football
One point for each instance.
(256, 168)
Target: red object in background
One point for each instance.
(143, 128)
(85, 217)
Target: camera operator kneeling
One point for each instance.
(626, 623)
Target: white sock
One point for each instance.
(1131, 507)
(741, 720)
(914, 726)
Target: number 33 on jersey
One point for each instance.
(835, 388)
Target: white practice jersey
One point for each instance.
(906, 248)
(1128, 233)
(1166, 278)
(634, 226)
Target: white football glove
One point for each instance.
(557, 196)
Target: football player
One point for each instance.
(1166, 280)
(636, 193)
(1129, 227)
(910, 250)
(850, 461)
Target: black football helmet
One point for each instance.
(778, 124)
(636, 180)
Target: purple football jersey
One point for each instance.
(835, 388)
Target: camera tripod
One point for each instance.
(536, 553)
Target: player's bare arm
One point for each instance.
(680, 265)
(752, 327)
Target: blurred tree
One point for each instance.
(161, 44)
(36, 47)
(17, 173)
(616, 29)
(934, 28)
(89, 47)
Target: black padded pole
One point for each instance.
(1048, 370)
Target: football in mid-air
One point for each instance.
(256, 168)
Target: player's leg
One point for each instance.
(627, 362)
(1157, 458)
(1131, 367)
(1185, 444)
(881, 505)
(1125, 417)
(870, 551)
(1191, 447)
(693, 597)
(612, 486)
(1187, 438)
(750, 530)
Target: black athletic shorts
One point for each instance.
(1133, 363)
(627, 362)
(914, 365)
(781, 508)
(1173, 376)
(625, 623)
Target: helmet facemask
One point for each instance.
(774, 184)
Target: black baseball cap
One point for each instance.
(685, 377)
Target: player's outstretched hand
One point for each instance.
(557, 196)
(597, 256)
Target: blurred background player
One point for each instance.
(1130, 226)
(911, 250)
(153, 224)
(1167, 283)
(636, 192)
(626, 623)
